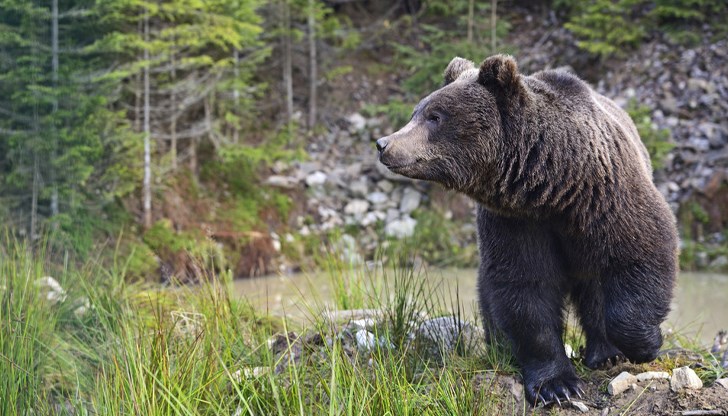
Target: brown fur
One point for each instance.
(567, 208)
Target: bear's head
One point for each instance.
(456, 134)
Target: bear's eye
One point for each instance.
(433, 118)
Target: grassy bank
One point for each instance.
(99, 344)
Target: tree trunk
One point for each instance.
(34, 196)
(173, 123)
(147, 185)
(471, 19)
(313, 75)
(236, 94)
(54, 78)
(493, 6)
(287, 59)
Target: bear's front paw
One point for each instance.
(554, 390)
(603, 356)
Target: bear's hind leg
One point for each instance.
(587, 296)
(634, 310)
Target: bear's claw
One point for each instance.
(603, 357)
(554, 390)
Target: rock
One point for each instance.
(365, 340)
(401, 228)
(356, 207)
(720, 262)
(385, 185)
(316, 179)
(364, 323)
(684, 378)
(438, 337)
(580, 406)
(372, 217)
(359, 188)
(356, 122)
(377, 198)
(621, 383)
(284, 182)
(722, 382)
(51, 289)
(410, 200)
(653, 375)
(249, 372)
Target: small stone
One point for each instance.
(621, 383)
(684, 378)
(284, 182)
(51, 288)
(720, 262)
(365, 340)
(359, 188)
(580, 406)
(653, 375)
(363, 323)
(316, 179)
(385, 185)
(356, 121)
(377, 198)
(401, 228)
(356, 207)
(723, 382)
(410, 201)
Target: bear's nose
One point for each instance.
(382, 144)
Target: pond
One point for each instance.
(699, 308)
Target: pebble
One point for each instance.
(52, 289)
(410, 201)
(401, 228)
(653, 375)
(722, 382)
(684, 378)
(316, 179)
(580, 406)
(621, 383)
(365, 340)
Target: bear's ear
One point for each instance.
(499, 73)
(456, 67)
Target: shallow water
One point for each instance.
(699, 308)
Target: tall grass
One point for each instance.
(113, 347)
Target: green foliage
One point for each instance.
(397, 111)
(437, 240)
(613, 28)
(657, 141)
(606, 27)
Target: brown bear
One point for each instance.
(566, 207)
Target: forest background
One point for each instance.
(153, 128)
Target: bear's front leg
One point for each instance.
(529, 314)
(522, 285)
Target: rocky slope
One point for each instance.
(685, 88)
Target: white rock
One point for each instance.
(410, 201)
(385, 185)
(653, 375)
(316, 179)
(684, 378)
(580, 406)
(363, 323)
(357, 121)
(356, 207)
(249, 372)
(377, 198)
(365, 340)
(372, 217)
(359, 188)
(52, 289)
(723, 382)
(401, 228)
(285, 182)
(621, 383)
